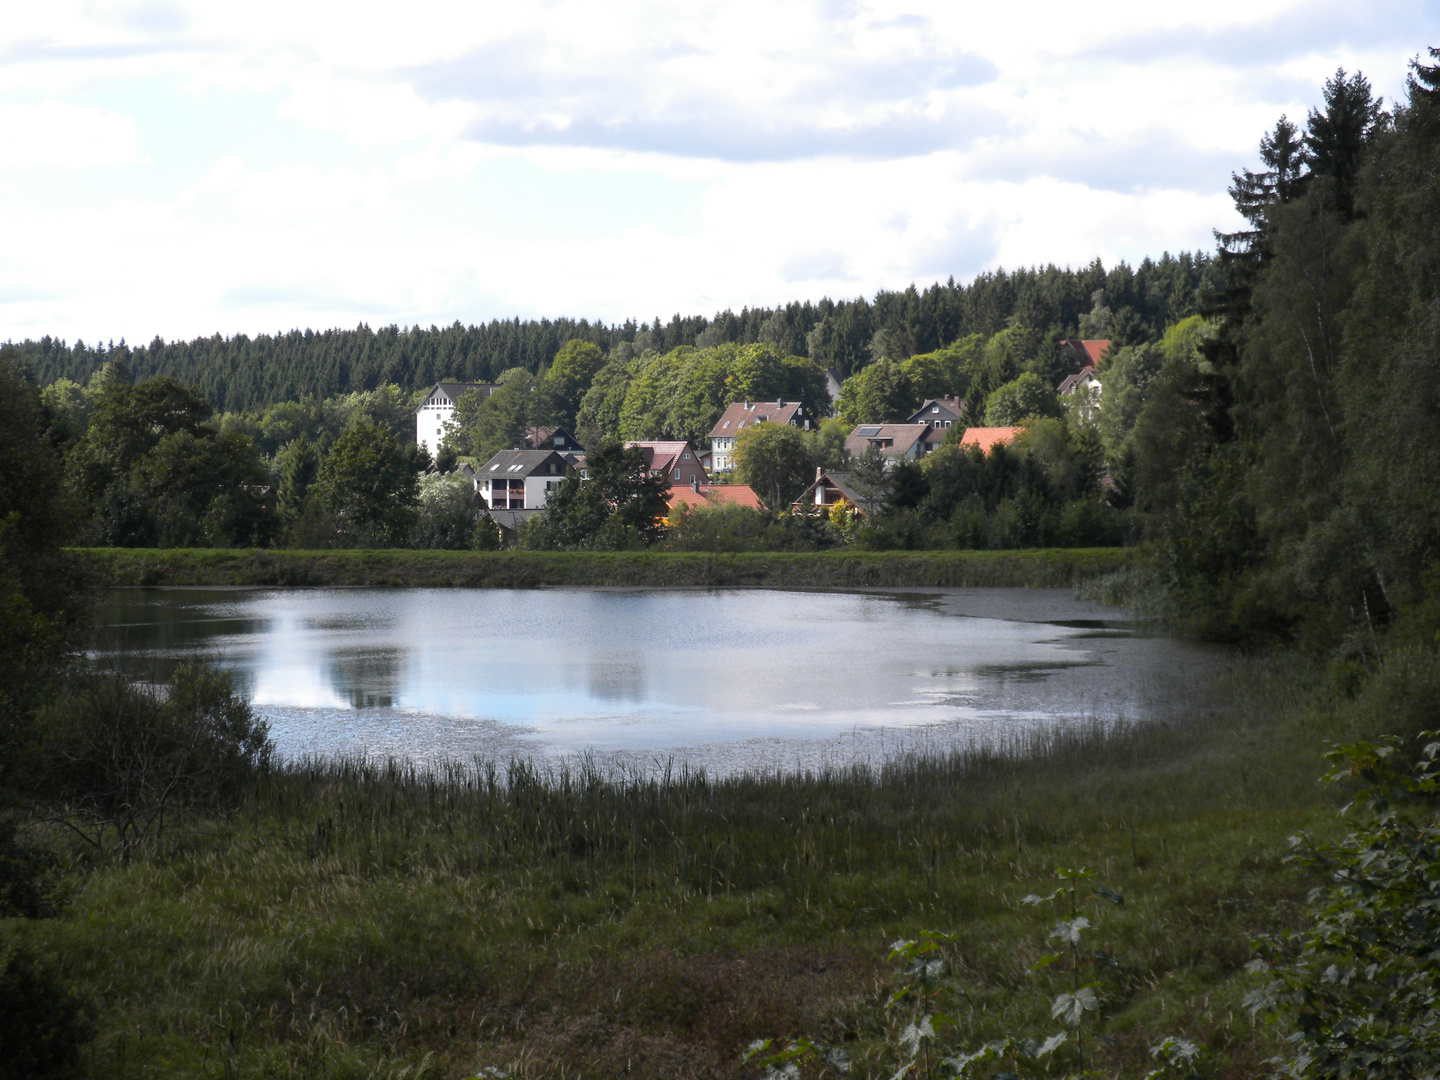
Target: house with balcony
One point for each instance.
(520, 479)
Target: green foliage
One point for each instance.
(483, 425)
(738, 528)
(880, 394)
(619, 506)
(569, 378)
(1025, 397)
(1361, 984)
(775, 461)
(366, 489)
(154, 469)
(445, 512)
(44, 601)
(117, 757)
(43, 1023)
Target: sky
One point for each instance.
(180, 169)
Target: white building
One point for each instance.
(438, 409)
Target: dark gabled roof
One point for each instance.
(518, 464)
(543, 438)
(1069, 384)
(456, 390)
(838, 480)
(946, 408)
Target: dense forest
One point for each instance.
(243, 373)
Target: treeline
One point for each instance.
(243, 373)
(1305, 503)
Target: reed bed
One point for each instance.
(530, 569)
(368, 919)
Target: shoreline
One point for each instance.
(1034, 568)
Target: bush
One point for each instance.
(43, 1024)
(125, 757)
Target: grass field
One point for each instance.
(526, 569)
(368, 920)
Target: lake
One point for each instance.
(724, 679)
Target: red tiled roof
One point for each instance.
(1091, 348)
(714, 495)
(987, 438)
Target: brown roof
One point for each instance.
(741, 413)
(986, 438)
(894, 440)
(714, 495)
(659, 455)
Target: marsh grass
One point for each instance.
(530, 569)
(358, 919)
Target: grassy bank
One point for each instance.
(521, 569)
(367, 921)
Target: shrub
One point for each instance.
(125, 757)
(43, 1024)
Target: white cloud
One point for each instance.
(289, 164)
(59, 133)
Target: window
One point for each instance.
(934, 408)
(687, 457)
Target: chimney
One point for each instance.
(779, 403)
(819, 472)
(695, 483)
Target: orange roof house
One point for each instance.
(1085, 353)
(697, 494)
(987, 438)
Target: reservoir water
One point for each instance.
(722, 679)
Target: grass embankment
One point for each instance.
(366, 921)
(528, 569)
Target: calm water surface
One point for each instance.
(724, 679)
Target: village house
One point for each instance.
(697, 494)
(438, 409)
(898, 442)
(828, 489)
(676, 461)
(742, 413)
(520, 479)
(1083, 354)
(1085, 388)
(987, 438)
(557, 439)
(939, 414)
